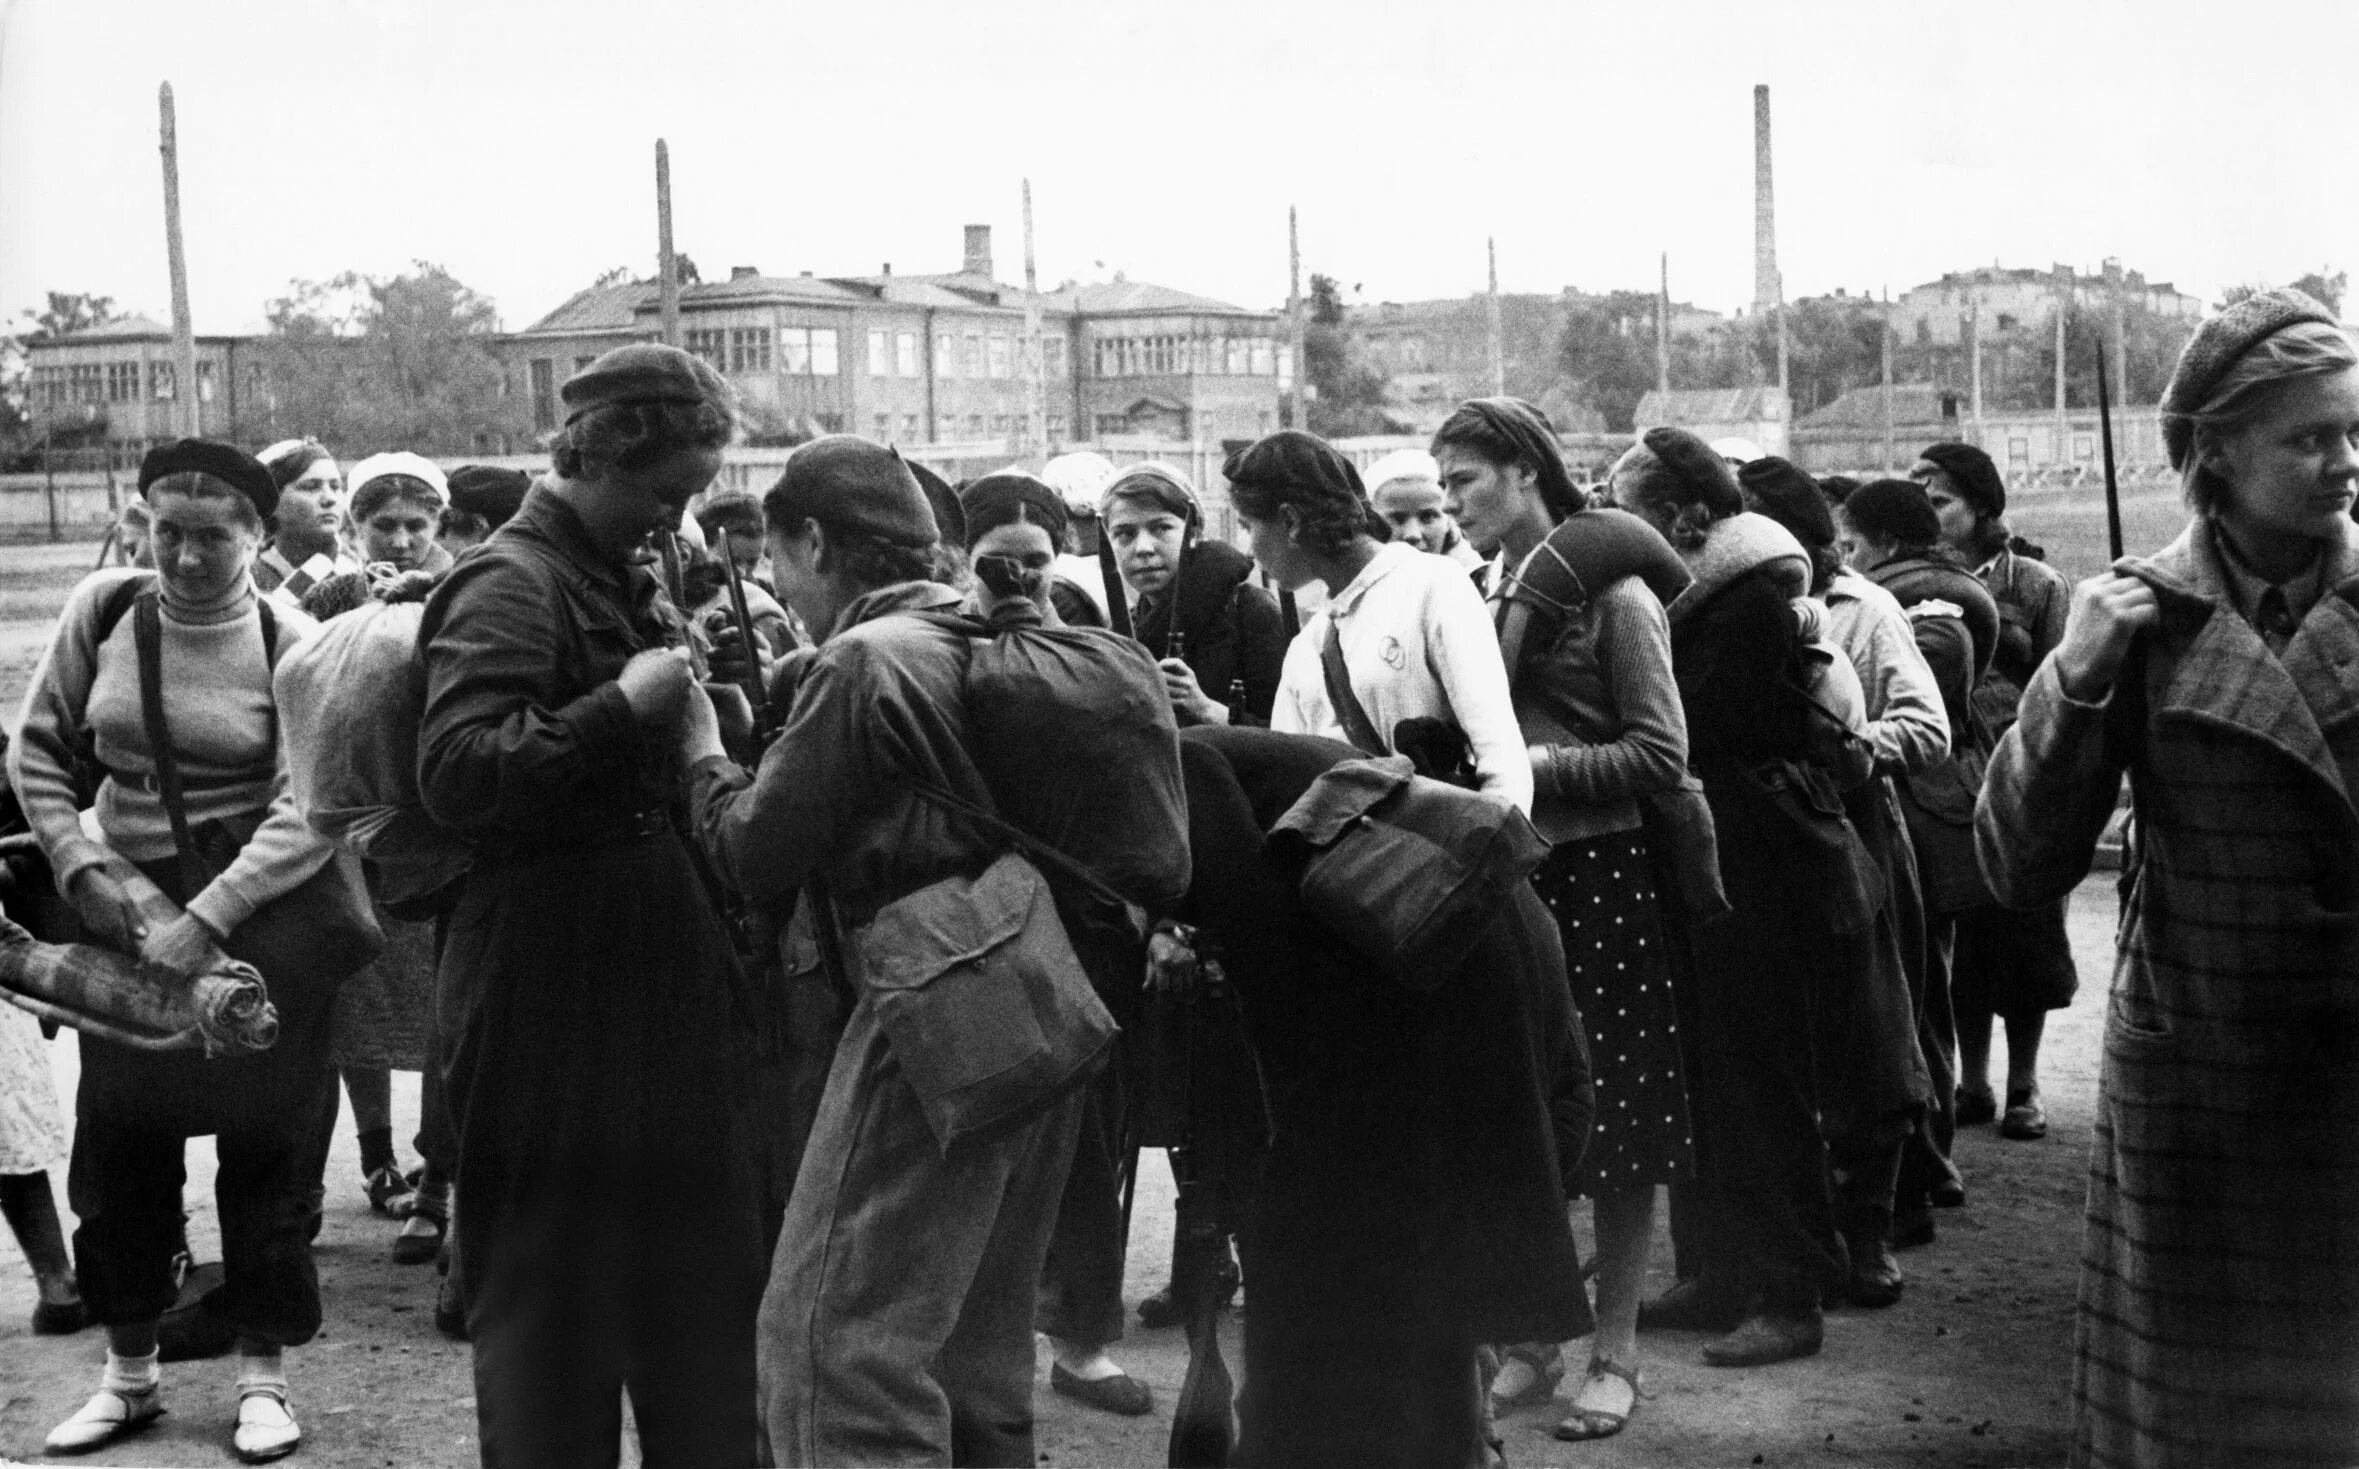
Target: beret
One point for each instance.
(855, 486)
(950, 518)
(1779, 490)
(2215, 348)
(1011, 494)
(643, 372)
(1896, 510)
(491, 492)
(1972, 471)
(379, 466)
(1709, 478)
(227, 463)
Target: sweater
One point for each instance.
(1417, 643)
(1600, 709)
(1907, 725)
(224, 727)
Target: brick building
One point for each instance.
(2021, 300)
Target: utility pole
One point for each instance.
(1974, 364)
(189, 411)
(1769, 285)
(1663, 328)
(1884, 341)
(2063, 421)
(668, 293)
(1497, 347)
(1294, 396)
(1035, 390)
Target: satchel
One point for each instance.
(1938, 804)
(307, 940)
(1437, 748)
(1686, 848)
(1408, 871)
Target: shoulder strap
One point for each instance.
(118, 601)
(269, 630)
(1030, 845)
(1357, 727)
(147, 630)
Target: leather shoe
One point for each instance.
(1976, 1107)
(2025, 1121)
(59, 1318)
(1948, 1194)
(1690, 1305)
(1768, 1336)
(1520, 1384)
(266, 1430)
(1121, 1393)
(1912, 1227)
(111, 1413)
(1875, 1276)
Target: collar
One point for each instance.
(2246, 586)
(546, 517)
(906, 596)
(1388, 559)
(2191, 568)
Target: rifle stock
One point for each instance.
(1110, 575)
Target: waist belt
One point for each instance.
(134, 780)
(639, 826)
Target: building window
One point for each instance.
(884, 421)
(1000, 423)
(905, 353)
(710, 343)
(808, 350)
(1056, 426)
(204, 381)
(1240, 355)
(945, 354)
(997, 354)
(2018, 454)
(971, 361)
(1112, 423)
(1265, 357)
(159, 381)
(880, 354)
(122, 382)
(909, 426)
(544, 395)
(749, 349)
(1053, 362)
(975, 429)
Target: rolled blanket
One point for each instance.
(223, 1010)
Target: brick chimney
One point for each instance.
(744, 272)
(979, 251)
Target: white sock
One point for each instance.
(257, 1369)
(130, 1374)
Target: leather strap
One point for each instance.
(147, 632)
(1357, 726)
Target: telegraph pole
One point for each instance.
(1498, 348)
(1974, 364)
(1884, 341)
(668, 293)
(1663, 328)
(1294, 400)
(1035, 391)
(188, 410)
(2063, 309)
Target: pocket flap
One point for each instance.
(948, 923)
(1340, 797)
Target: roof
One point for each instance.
(1681, 407)
(1121, 298)
(120, 329)
(1863, 408)
(600, 308)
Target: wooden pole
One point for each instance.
(1974, 365)
(1294, 396)
(666, 263)
(1884, 341)
(186, 408)
(1035, 387)
(2063, 422)
(1497, 347)
(1663, 329)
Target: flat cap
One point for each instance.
(2215, 348)
(227, 463)
(853, 485)
(643, 372)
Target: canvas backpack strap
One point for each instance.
(1357, 727)
(147, 631)
(1030, 845)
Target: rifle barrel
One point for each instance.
(2105, 432)
(755, 694)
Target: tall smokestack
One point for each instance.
(1766, 294)
(978, 261)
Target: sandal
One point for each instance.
(1589, 1419)
(389, 1193)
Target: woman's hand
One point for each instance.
(184, 946)
(656, 682)
(702, 734)
(2108, 610)
(1171, 959)
(108, 915)
(1188, 699)
(727, 659)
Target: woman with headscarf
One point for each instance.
(2219, 1305)
(1403, 646)
(1195, 606)
(1599, 711)
(214, 652)
(2014, 967)
(596, 1033)
(1758, 1244)
(302, 550)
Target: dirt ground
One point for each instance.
(1971, 1368)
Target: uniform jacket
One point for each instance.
(1232, 628)
(2219, 1317)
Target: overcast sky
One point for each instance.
(2203, 143)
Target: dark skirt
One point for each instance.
(1602, 894)
(2012, 962)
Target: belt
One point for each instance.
(136, 780)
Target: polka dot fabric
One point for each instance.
(1602, 894)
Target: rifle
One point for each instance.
(1117, 606)
(675, 584)
(755, 694)
(2112, 490)
(1175, 642)
(1289, 614)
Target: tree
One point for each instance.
(2328, 289)
(1606, 352)
(1346, 390)
(70, 312)
(365, 364)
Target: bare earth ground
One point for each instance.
(1971, 1368)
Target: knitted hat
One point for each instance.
(484, 490)
(1895, 510)
(1975, 476)
(1007, 497)
(643, 372)
(227, 463)
(1708, 478)
(2215, 348)
(854, 486)
(382, 466)
(1786, 495)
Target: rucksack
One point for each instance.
(1075, 739)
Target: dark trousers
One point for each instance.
(1081, 1282)
(1925, 1155)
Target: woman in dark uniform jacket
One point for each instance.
(595, 1055)
(1217, 634)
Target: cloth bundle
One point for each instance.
(224, 1010)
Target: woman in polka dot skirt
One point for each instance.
(1599, 708)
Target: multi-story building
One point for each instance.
(116, 388)
(2005, 301)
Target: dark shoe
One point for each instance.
(59, 1318)
(450, 1306)
(389, 1192)
(1690, 1305)
(1976, 1107)
(1160, 1310)
(1121, 1393)
(1911, 1228)
(1950, 1193)
(2025, 1121)
(1875, 1276)
(1766, 1337)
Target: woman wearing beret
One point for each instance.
(1756, 1235)
(594, 1025)
(1599, 709)
(1195, 606)
(2219, 1307)
(216, 650)
(2012, 966)
(1408, 631)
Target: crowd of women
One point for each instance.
(1801, 857)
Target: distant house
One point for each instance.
(2002, 301)
(113, 390)
(1847, 436)
(1762, 414)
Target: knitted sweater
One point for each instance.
(218, 707)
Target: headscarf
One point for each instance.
(377, 479)
(1010, 496)
(1160, 483)
(1488, 425)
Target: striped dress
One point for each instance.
(2219, 1307)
